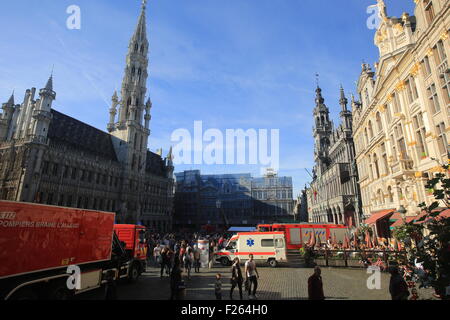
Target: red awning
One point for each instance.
(444, 214)
(399, 222)
(378, 215)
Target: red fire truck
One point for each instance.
(298, 234)
(43, 248)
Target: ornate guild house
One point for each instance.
(48, 157)
(333, 196)
(402, 118)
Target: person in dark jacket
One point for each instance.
(398, 287)
(111, 286)
(315, 285)
(236, 278)
(175, 281)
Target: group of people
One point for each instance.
(237, 279)
(176, 254)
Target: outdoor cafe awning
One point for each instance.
(444, 214)
(399, 222)
(379, 215)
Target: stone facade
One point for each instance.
(272, 197)
(402, 118)
(48, 157)
(244, 200)
(333, 196)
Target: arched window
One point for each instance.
(139, 74)
(390, 194)
(370, 130)
(377, 168)
(380, 196)
(142, 49)
(136, 47)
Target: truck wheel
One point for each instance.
(60, 292)
(225, 261)
(134, 273)
(273, 263)
(25, 294)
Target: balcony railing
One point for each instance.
(28, 139)
(404, 166)
(443, 67)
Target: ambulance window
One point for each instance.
(267, 243)
(231, 245)
(279, 243)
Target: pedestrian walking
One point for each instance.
(211, 255)
(188, 259)
(111, 286)
(398, 287)
(157, 254)
(176, 282)
(197, 259)
(315, 285)
(165, 261)
(252, 276)
(218, 287)
(236, 278)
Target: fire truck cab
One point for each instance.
(133, 240)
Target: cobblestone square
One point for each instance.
(283, 283)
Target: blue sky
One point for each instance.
(232, 64)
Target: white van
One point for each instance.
(266, 247)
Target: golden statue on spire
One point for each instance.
(382, 12)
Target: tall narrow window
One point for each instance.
(379, 123)
(377, 168)
(385, 159)
(388, 113)
(396, 103)
(401, 142)
(445, 86)
(440, 50)
(427, 67)
(419, 128)
(370, 130)
(442, 138)
(412, 90)
(429, 11)
(433, 98)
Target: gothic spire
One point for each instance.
(319, 99)
(11, 100)
(140, 33)
(49, 85)
(343, 101)
(135, 77)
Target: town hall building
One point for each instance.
(50, 158)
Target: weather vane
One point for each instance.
(317, 79)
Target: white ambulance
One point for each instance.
(266, 247)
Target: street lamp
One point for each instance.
(218, 206)
(402, 211)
